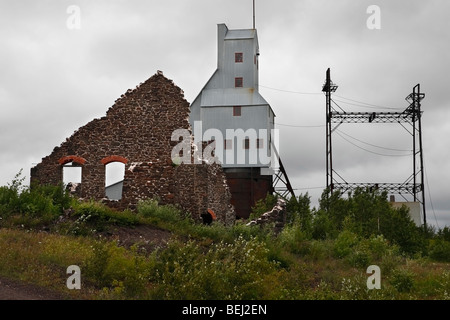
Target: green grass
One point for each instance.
(212, 262)
(195, 269)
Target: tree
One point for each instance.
(299, 212)
(367, 212)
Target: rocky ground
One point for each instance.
(147, 238)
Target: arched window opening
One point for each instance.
(72, 172)
(114, 176)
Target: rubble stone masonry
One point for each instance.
(137, 131)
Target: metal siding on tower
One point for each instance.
(214, 108)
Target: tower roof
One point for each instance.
(240, 34)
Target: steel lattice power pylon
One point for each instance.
(411, 116)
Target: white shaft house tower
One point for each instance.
(230, 104)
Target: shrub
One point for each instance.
(94, 216)
(9, 196)
(378, 246)
(366, 213)
(226, 271)
(119, 270)
(298, 212)
(292, 238)
(391, 260)
(323, 226)
(444, 234)
(367, 209)
(402, 280)
(320, 249)
(344, 243)
(166, 213)
(45, 202)
(399, 229)
(91, 215)
(444, 285)
(354, 288)
(336, 209)
(9, 201)
(440, 250)
(38, 203)
(360, 257)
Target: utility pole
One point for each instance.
(328, 88)
(420, 97)
(416, 97)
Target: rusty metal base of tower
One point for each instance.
(247, 186)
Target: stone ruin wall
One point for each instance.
(276, 216)
(137, 131)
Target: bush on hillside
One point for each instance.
(440, 250)
(45, 202)
(367, 213)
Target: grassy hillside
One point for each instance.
(322, 254)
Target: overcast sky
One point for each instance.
(58, 72)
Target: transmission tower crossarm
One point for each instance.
(371, 117)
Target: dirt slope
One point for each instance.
(17, 290)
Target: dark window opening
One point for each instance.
(237, 111)
(259, 143)
(228, 144)
(239, 82)
(247, 144)
(238, 57)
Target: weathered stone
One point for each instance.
(277, 216)
(137, 131)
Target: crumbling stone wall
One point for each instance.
(137, 131)
(277, 216)
(206, 191)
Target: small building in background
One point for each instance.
(414, 210)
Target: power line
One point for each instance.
(359, 103)
(295, 126)
(365, 104)
(372, 145)
(379, 154)
(289, 91)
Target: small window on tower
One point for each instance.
(247, 144)
(238, 82)
(237, 111)
(259, 143)
(228, 144)
(238, 57)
